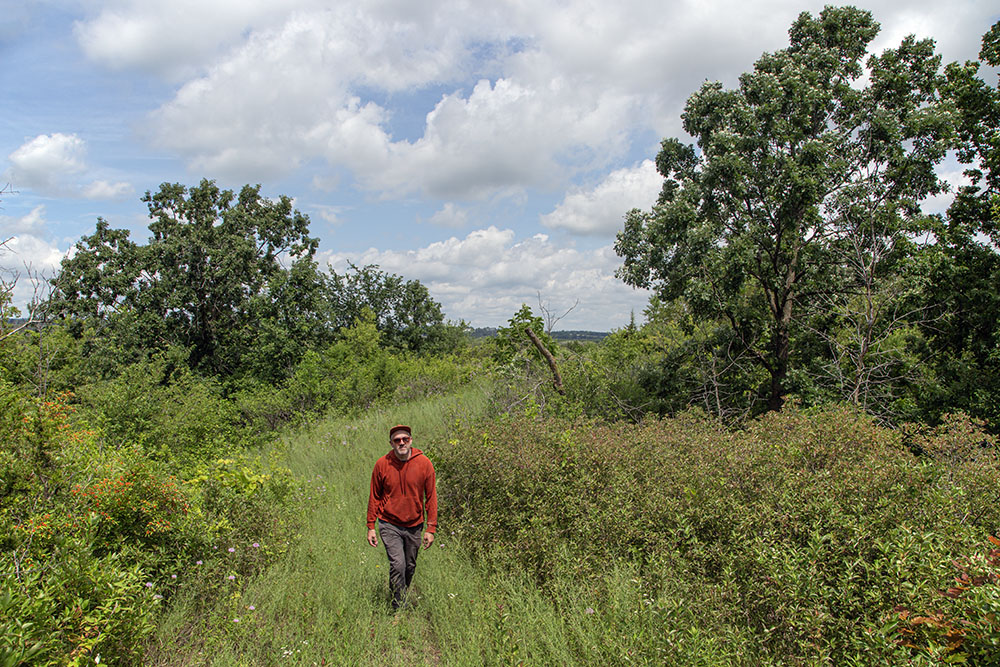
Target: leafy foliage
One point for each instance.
(94, 528)
(962, 266)
(512, 346)
(211, 253)
(794, 166)
(405, 314)
(210, 281)
(805, 529)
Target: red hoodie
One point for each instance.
(398, 491)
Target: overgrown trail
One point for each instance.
(326, 601)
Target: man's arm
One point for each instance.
(430, 492)
(374, 497)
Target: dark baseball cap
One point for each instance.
(400, 427)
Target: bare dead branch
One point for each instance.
(551, 321)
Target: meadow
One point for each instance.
(806, 538)
(153, 518)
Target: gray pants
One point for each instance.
(401, 546)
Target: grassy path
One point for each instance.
(326, 603)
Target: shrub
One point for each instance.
(93, 537)
(63, 597)
(246, 500)
(69, 607)
(353, 374)
(136, 507)
(424, 376)
(802, 530)
(964, 625)
(161, 406)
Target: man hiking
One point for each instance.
(402, 487)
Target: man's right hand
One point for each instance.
(372, 537)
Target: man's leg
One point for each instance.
(411, 549)
(401, 546)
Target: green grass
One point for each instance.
(327, 601)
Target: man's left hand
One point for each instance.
(428, 539)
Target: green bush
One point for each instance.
(351, 375)
(159, 405)
(70, 607)
(963, 623)
(64, 596)
(96, 531)
(802, 531)
(424, 376)
(248, 501)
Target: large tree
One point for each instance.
(751, 224)
(211, 254)
(963, 264)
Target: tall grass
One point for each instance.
(713, 555)
(326, 602)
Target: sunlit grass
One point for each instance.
(327, 601)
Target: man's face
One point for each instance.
(402, 444)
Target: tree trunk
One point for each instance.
(556, 378)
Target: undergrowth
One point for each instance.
(804, 536)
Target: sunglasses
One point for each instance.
(401, 441)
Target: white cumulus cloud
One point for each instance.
(32, 223)
(513, 95)
(450, 215)
(172, 38)
(484, 278)
(52, 164)
(41, 163)
(599, 211)
(106, 190)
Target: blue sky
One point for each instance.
(488, 150)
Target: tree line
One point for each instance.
(790, 252)
(791, 245)
(231, 278)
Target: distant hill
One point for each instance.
(487, 332)
(573, 334)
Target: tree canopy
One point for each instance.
(405, 314)
(963, 266)
(790, 171)
(231, 278)
(211, 252)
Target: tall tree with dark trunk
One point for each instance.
(788, 165)
(211, 252)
